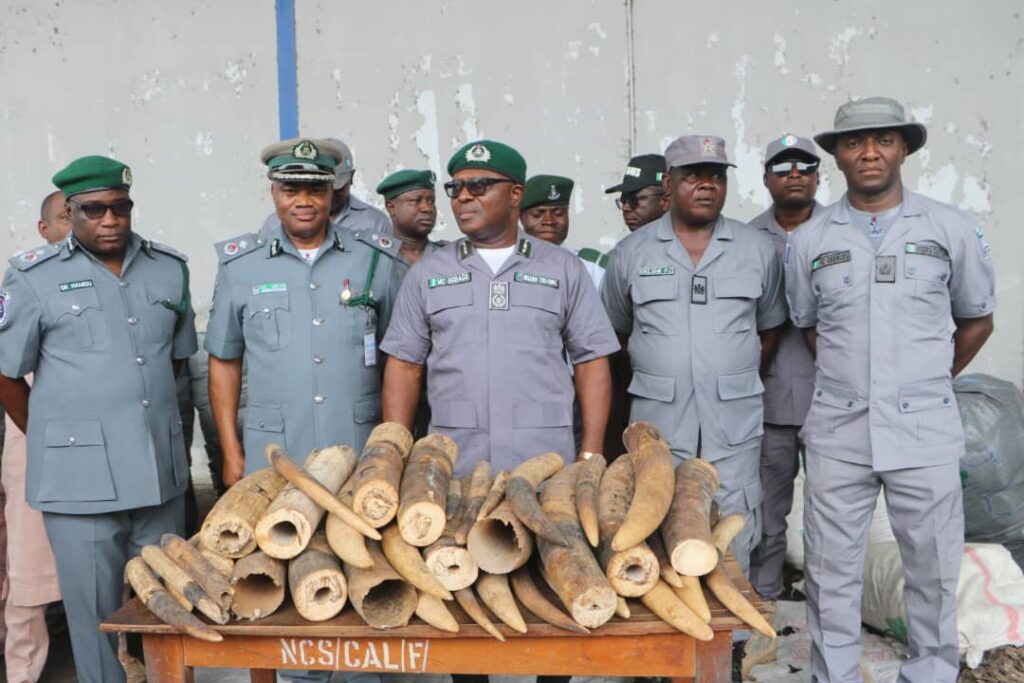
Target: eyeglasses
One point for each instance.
(784, 168)
(633, 200)
(476, 186)
(94, 210)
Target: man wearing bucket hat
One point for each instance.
(873, 280)
(642, 199)
(791, 176)
(104, 319)
(493, 317)
(545, 215)
(699, 296)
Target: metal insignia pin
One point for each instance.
(346, 292)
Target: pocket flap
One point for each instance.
(661, 288)
(264, 303)
(161, 294)
(737, 287)
(739, 385)
(837, 395)
(73, 303)
(74, 433)
(264, 418)
(449, 296)
(453, 414)
(543, 414)
(367, 410)
(927, 395)
(653, 386)
(536, 296)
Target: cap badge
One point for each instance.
(433, 178)
(126, 175)
(554, 194)
(231, 248)
(478, 153)
(788, 140)
(707, 147)
(305, 150)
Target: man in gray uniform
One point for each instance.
(791, 176)
(699, 297)
(410, 200)
(102, 319)
(492, 316)
(642, 199)
(348, 211)
(874, 280)
(306, 306)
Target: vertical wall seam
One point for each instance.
(287, 77)
(631, 77)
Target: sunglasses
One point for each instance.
(633, 200)
(94, 210)
(784, 168)
(477, 186)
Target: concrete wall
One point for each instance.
(187, 94)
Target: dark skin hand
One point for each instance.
(14, 398)
(225, 387)
(401, 393)
(547, 222)
(971, 334)
(593, 381)
(697, 195)
(769, 346)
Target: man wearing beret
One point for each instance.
(103, 319)
(643, 199)
(409, 199)
(493, 317)
(545, 215)
(791, 176)
(305, 305)
(873, 281)
(699, 298)
(348, 211)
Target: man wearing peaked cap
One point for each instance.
(493, 317)
(104, 320)
(545, 215)
(699, 297)
(643, 199)
(409, 198)
(791, 176)
(349, 211)
(884, 414)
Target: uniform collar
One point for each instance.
(910, 206)
(277, 242)
(70, 245)
(665, 232)
(523, 246)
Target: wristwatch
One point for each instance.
(587, 455)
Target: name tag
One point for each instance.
(456, 279)
(536, 279)
(648, 271)
(833, 258)
(268, 287)
(72, 286)
(933, 250)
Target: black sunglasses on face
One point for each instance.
(783, 168)
(633, 200)
(94, 210)
(477, 186)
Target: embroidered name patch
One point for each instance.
(832, 258)
(927, 250)
(267, 287)
(536, 279)
(72, 286)
(647, 271)
(456, 279)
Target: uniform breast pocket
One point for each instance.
(78, 318)
(268, 320)
(75, 466)
(927, 280)
(451, 316)
(833, 286)
(736, 303)
(535, 315)
(163, 304)
(657, 305)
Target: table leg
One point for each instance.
(165, 659)
(262, 676)
(714, 659)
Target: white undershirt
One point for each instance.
(495, 258)
(309, 255)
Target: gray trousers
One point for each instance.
(740, 493)
(780, 463)
(91, 552)
(926, 513)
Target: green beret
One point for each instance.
(493, 156)
(549, 190)
(301, 160)
(93, 173)
(403, 181)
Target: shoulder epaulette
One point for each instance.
(389, 245)
(170, 251)
(593, 256)
(230, 249)
(30, 258)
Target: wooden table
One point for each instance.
(642, 646)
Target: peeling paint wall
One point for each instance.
(187, 95)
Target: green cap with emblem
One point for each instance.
(301, 160)
(546, 190)
(91, 174)
(490, 155)
(405, 180)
